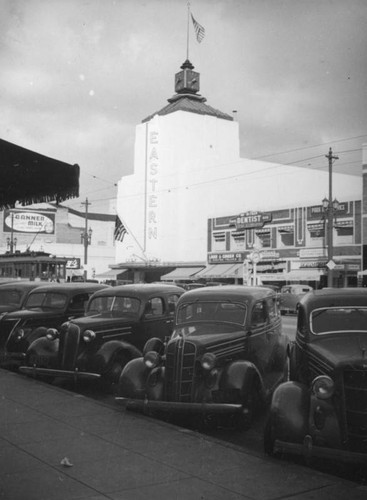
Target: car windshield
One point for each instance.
(221, 311)
(338, 319)
(10, 297)
(119, 306)
(51, 300)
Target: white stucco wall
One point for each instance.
(187, 169)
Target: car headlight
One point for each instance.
(88, 336)
(52, 334)
(323, 387)
(208, 361)
(152, 359)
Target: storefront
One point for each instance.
(285, 246)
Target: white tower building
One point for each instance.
(187, 168)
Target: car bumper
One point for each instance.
(33, 371)
(308, 450)
(145, 406)
(12, 359)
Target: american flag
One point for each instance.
(120, 229)
(199, 30)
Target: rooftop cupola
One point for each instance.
(187, 81)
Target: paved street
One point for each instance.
(58, 445)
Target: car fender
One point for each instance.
(240, 376)
(42, 350)
(155, 383)
(110, 351)
(289, 412)
(133, 378)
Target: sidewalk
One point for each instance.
(113, 454)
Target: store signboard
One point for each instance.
(230, 257)
(73, 263)
(24, 221)
(251, 220)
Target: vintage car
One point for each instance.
(117, 324)
(290, 296)
(13, 294)
(322, 410)
(46, 306)
(226, 354)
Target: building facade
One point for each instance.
(57, 231)
(190, 192)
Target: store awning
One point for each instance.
(28, 177)
(110, 274)
(215, 271)
(181, 273)
(304, 275)
(236, 271)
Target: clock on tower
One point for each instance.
(187, 81)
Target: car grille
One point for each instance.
(6, 326)
(355, 390)
(68, 348)
(180, 363)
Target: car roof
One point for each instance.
(70, 287)
(23, 285)
(141, 290)
(336, 297)
(228, 292)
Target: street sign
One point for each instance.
(331, 264)
(255, 256)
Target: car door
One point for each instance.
(156, 320)
(259, 341)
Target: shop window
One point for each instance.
(265, 238)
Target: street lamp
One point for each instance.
(86, 239)
(11, 243)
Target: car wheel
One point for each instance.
(111, 376)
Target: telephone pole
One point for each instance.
(86, 237)
(330, 216)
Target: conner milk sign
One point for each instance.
(29, 222)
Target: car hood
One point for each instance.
(33, 313)
(101, 322)
(213, 342)
(342, 349)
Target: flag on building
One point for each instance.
(199, 30)
(120, 229)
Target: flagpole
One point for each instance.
(188, 29)
(133, 237)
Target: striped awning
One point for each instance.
(181, 273)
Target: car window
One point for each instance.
(111, 303)
(228, 312)
(99, 304)
(125, 305)
(272, 306)
(79, 301)
(338, 319)
(258, 316)
(154, 307)
(10, 297)
(172, 303)
(46, 299)
(302, 322)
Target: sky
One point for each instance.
(77, 77)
